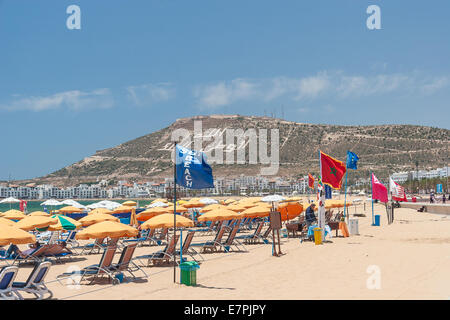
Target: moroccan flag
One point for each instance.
(310, 181)
(379, 191)
(332, 170)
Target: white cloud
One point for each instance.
(148, 94)
(223, 93)
(311, 87)
(323, 85)
(433, 85)
(74, 100)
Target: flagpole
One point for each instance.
(345, 196)
(174, 208)
(371, 185)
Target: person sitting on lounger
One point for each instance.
(310, 217)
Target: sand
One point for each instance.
(411, 257)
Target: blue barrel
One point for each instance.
(377, 220)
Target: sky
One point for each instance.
(134, 67)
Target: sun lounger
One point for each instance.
(70, 240)
(97, 246)
(35, 283)
(125, 262)
(255, 237)
(188, 249)
(232, 244)
(96, 270)
(140, 240)
(7, 276)
(27, 256)
(211, 246)
(58, 251)
(161, 256)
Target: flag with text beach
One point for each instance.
(192, 170)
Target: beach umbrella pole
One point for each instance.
(175, 208)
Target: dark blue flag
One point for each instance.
(327, 192)
(352, 160)
(192, 170)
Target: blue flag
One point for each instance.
(192, 170)
(327, 192)
(352, 160)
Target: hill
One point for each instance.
(382, 148)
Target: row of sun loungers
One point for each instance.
(11, 290)
(59, 249)
(49, 252)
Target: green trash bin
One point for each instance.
(189, 273)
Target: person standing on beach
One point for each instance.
(443, 198)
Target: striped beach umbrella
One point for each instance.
(64, 223)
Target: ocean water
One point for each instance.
(36, 205)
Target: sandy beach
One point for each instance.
(411, 255)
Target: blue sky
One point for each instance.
(136, 66)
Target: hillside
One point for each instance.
(383, 149)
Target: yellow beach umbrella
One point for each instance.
(152, 212)
(217, 215)
(212, 207)
(123, 209)
(236, 207)
(180, 209)
(258, 211)
(7, 222)
(100, 210)
(14, 235)
(96, 218)
(105, 229)
(33, 222)
(70, 209)
(229, 201)
(293, 199)
(39, 214)
(130, 203)
(165, 220)
(305, 205)
(13, 214)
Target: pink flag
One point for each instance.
(379, 191)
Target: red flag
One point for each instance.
(379, 191)
(397, 191)
(310, 181)
(332, 171)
